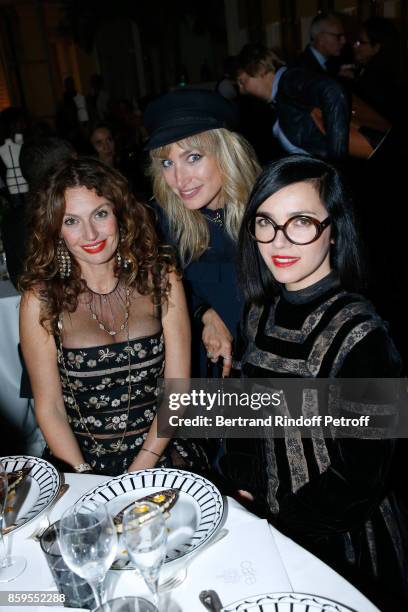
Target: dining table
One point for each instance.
(252, 558)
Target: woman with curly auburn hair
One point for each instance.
(202, 176)
(103, 315)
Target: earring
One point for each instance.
(125, 263)
(64, 260)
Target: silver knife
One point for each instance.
(61, 491)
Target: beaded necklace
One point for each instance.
(105, 298)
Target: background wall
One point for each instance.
(144, 47)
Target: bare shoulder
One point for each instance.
(31, 310)
(31, 303)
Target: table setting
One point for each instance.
(164, 537)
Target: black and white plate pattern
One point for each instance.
(37, 491)
(286, 602)
(195, 518)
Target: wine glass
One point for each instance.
(10, 567)
(88, 543)
(145, 535)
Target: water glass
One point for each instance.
(78, 593)
(10, 567)
(88, 543)
(127, 604)
(145, 535)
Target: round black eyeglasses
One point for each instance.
(300, 229)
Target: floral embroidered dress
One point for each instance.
(94, 369)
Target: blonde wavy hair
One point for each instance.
(237, 163)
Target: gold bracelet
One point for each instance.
(146, 450)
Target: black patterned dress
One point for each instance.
(337, 497)
(109, 427)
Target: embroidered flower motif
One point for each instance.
(115, 403)
(115, 446)
(121, 357)
(115, 419)
(77, 359)
(97, 450)
(124, 397)
(91, 363)
(137, 346)
(123, 417)
(142, 354)
(105, 354)
(93, 402)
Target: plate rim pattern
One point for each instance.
(327, 605)
(189, 480)
(52, 488)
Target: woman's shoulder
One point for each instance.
(354, 308)
(33, 296)
(366, 348)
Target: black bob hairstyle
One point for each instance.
(256, 279)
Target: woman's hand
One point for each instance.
(217, 340)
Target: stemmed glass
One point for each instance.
(145, 535)
(88, 543)
(10, 567)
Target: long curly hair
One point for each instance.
(239, 168)
(148, 263)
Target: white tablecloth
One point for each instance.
(17, 411)
(253, 558)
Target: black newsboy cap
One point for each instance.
(185, 112)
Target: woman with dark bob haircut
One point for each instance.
(103, 316)
(300, 262)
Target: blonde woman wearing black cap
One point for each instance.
(202, 176)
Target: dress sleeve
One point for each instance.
(344, 495)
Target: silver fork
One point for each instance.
(173, 581)
(45, 521)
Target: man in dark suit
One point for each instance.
(313, 114)
(327, 40)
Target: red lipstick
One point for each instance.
(284, 261)
(95, 247)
